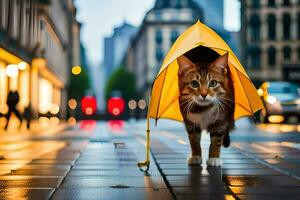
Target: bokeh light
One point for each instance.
(132, 104)
(142, 104)
(22, 65)
(72, 103)
(12, 70)
(76, 70)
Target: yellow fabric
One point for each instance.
(164, 96)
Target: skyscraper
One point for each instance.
(213, 11)
(160, 28)
(116, 45)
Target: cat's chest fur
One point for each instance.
(204, 118)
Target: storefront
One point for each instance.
(14, 76)
(36, 85)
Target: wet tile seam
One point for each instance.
(262, 162)
(163, 175)
(64, 178)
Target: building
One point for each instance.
(160, 28)
(270, 37)
(213, 11)
(39, 42)
(116, 45)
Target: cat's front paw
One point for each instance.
(194, 160)
(215, 162)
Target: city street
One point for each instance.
(97, 160)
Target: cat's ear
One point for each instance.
(221, 64)
(184, 65)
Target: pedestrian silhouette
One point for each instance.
(13, 99)
(28, 115)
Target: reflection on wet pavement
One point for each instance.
(33, 165)
(242, 175)
(279, 128)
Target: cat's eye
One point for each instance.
(194, 84)
(212, 83)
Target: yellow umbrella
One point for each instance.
(164, 101)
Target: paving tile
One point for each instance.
(29, 182)
(83, 182)
(268, 197)
(265, 190)
(188, 181)
(180, 172)
(225, 166)
(112, 193)
(26, 193)
(204, 197)
(46, 166)
(119, 173)
(259, 172)
(284, 181)
(99, 167)
(239, 161)
(52, 161)
(41, 172)
(220, 190)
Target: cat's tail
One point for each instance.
(226, 140)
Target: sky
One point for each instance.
(99, 17)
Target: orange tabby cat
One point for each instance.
(206, 103)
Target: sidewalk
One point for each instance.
(107, 169)
(244, 174)
(98, 161)
(240, 177)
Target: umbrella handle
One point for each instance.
(146, 163)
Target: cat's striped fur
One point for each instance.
(206, 103)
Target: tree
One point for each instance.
(123, 81)
(79, 84)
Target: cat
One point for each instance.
(207, 103)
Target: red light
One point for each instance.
(89, 105)
(115, 105)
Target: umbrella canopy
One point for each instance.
(164, 101)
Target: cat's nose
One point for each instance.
(203, 96)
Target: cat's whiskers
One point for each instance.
(220, 103)
(218, 110)
(187, 105)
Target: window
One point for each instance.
(287, 53)
(255, 27)
(255, 57)
(159, 54)
(174, 36)
(286, 21)
(158, 15)
(158, 36)
(271, 3)
(286, 3)
(272, 27)
(298, 24)
(271, 56)
(255, 3)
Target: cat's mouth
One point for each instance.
(203, 101)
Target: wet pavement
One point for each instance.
(254, 167)
(98, 161)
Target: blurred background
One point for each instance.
(74, 59)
